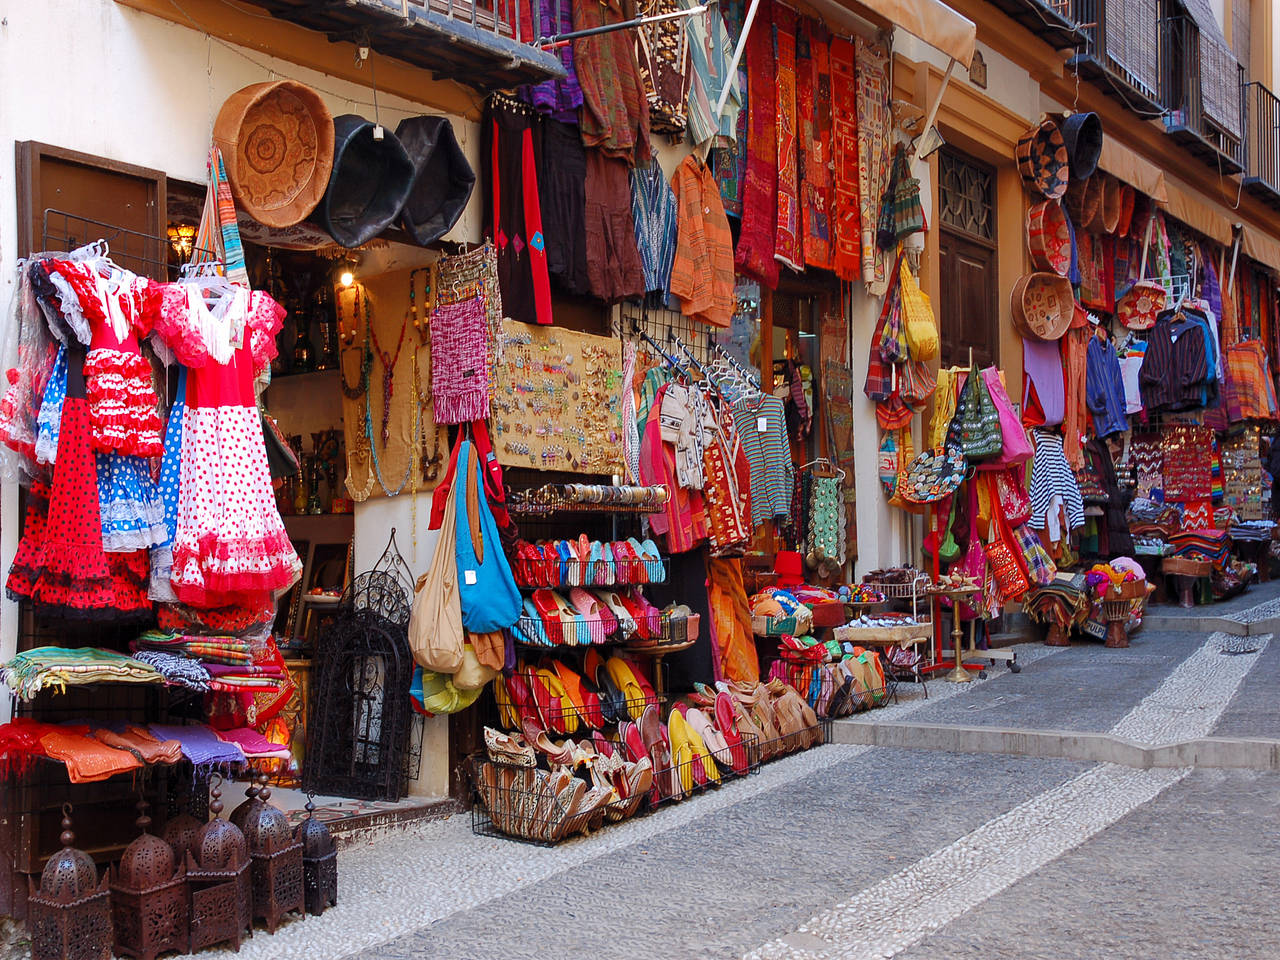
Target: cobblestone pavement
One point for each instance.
(853, 852)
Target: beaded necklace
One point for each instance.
(366, 355)
(388, 369)
(373, 451)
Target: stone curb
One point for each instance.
(1205, 752)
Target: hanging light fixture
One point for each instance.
(182, 239)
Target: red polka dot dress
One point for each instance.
(230, 545)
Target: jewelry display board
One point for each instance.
(1242, 473)
(556, 400)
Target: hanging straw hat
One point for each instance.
(276, 140)
(1043, 305)
(443, 182)
(1049, 237)
(1111, 203)
(369, 185)
(1082, 133)
(1042, 160)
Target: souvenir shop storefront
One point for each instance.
(372, 437)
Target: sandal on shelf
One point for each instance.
(607, 572)
(544, 603)
(626, 623)
(562, 704)
(657, 748)
(687, 764)
(508, 748)
(727, 720)
(707, 744)
(600, 623)
(654, 572)
(641, 569)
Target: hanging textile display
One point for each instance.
(515, 212)
(875, 130)
(730, 158)
(787, 248)
(562, 197)
(662, 55)
(655, 211)
(814, 98)
(614, 269)
(846, 207)
(702, 274)
(615, 109)
(710, 52)
(561, 97)
(754, 255)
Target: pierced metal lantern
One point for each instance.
(319, 862)
(277, 862)
(150, 904)
(252, 801)
(69, 914)
(218, 878)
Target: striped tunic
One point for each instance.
(768, 453)
(1053, 484)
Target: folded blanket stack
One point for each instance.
(60, 667)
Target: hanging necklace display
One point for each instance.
(373, 451)
(389, 362)
(430, 463)
(349, 336)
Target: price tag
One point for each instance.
(469, 577)
(762, 424)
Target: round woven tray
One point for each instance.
(1043, 305)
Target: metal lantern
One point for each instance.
(319, 862)
(277, 862)
(69, 915)
(218, 877)
(180, 834)
(150, 905)
(252, 801)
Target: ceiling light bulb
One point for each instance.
(347, 278)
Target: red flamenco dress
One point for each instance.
(230, 545)
(60, 565)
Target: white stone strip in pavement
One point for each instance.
(903, 909)
(410, 878)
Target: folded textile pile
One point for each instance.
(139, 742)
(200, 745)
(232, 651)
(1204, 544)
(177, 670)
(59, 667)
(1251, 531)
(254, 744)
(1064, 602)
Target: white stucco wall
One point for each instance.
(93, 76)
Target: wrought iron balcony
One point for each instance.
(1121, 53)
(1202, 88)
(1050, 20)
(1262, 139)
(476, 42)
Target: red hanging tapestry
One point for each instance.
(754, 254)
(815, 172)
(787, 234)
(846, 215)
(875, 129)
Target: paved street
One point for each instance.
(861, 852)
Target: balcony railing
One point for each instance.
(1202, 89)
(483, 43)
(1262, 139)
(1050, 20)
(1121, 53)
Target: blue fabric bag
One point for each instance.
(489, 595)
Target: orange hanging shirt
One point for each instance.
(702, 274)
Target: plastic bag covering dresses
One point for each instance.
(230, 543)
(490, 598)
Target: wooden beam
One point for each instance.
(307, 48)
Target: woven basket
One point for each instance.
(1138, 308)
(1084, 203)
(277, 142)
(1049, 237)
(1183, 567)
(1128, 590)
(1043, 305)
(1042, 160)
(1111, 203)
(1082, 133)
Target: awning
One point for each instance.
(1260, 246)
(1205, 216)
(931, 20)
(1143, 175)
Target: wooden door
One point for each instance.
(968, 307)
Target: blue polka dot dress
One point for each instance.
(170, 470)
(50, 417)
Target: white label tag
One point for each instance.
(762, 424)
(469, 577)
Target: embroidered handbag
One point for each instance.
(974, 563)
(980, 435)
(1138, 308)
(888, 463)
(1035, 559)
(901, 213)
(1014, 502)
(934, 474)
(435, 622)
(1004, 554)
(490, 598)
(917, 315)
(893, 340)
